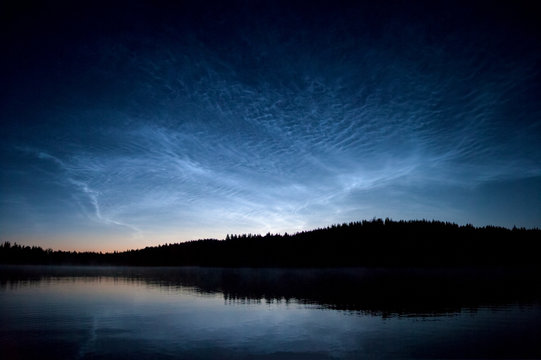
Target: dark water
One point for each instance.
(197, 313)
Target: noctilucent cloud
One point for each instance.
(141, 123)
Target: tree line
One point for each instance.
(372, 243)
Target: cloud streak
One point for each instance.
(281, 122)
(69, 174)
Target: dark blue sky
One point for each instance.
(131, 124)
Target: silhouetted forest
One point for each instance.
(374, 243)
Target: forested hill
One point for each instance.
(366, 243)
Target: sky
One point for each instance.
(131, 124)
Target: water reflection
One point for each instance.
(204, 313)
(385, 292)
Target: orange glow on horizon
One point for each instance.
(104, 244)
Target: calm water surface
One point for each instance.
(194, 313)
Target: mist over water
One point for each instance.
(139, 124)
(204, 313)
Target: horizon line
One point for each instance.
(374, 219)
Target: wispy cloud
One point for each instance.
(69, 174)
(285, 129)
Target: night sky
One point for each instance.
(131, 124)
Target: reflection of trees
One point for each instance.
(366, 243)
(384, 292)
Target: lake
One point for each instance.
(65, 312)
